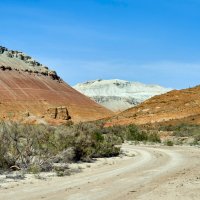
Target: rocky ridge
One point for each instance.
(23, 62)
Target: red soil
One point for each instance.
(34, 93)
(173, 107)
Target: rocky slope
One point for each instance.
(118, 95)
(32, 92)
(173, 107)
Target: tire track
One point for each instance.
(113, 182)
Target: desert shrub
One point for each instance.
(62, 170)
(166, 128)
(25, 145)
(119, 131)
(34, 169)
(182, 130)
(37, 147)
(169, 143)
(133, 133)
(154, 137)
(65, 156)
(196, 140)
(93, 140)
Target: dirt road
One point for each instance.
(149, 173)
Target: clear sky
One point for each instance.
(150, 41)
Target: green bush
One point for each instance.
(154, 137)
(134, 134)
(37, 147)
(169, 143)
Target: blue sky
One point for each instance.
(150, 41)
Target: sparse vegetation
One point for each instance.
(169, 143)
(184, 131)
(37, 148)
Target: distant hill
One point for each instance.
(119, 95)
(32, 92)
(177, 106)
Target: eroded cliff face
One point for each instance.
(32, 92)
(119, 95)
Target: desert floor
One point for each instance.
(144, 172)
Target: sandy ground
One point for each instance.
(145, 173)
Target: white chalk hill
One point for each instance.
(119, 95)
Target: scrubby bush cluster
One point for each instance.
(37, 147)
(184, 130)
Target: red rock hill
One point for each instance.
(175, 106)
(30, 91)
